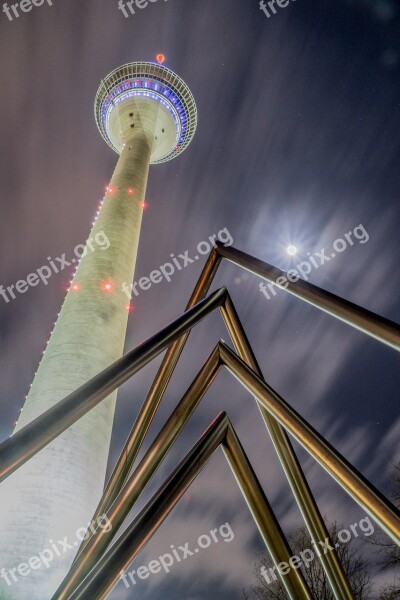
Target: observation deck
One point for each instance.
(149, 98)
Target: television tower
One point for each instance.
(147, 114)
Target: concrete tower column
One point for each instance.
(57, 492)
(47, 504)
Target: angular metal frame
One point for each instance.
(287, 456)
(380, 328)
(277, 415)
(106, 573)
(364, 493)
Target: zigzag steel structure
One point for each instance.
(147, 114)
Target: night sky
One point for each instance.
(297, 142)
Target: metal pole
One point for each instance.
(381, 329)
(363, 492)
(362, 319)
(18, 449)
(86, 397)
(269, 527)
(96, 545)
(155, 394)
(297, 481)
(106, 573)
(290, 464)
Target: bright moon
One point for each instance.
(292, 250)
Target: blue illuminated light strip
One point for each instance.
(173, 105)
(146, 76)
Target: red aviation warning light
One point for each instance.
(107, 286)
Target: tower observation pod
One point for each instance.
(147, 114)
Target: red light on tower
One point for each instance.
(131, 191)
(107, 286)
(160, 58)
(75, 287)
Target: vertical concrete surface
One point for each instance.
(49, 499)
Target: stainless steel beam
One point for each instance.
(361, 490)
(378, 327)
(18, 449)
(106, 573)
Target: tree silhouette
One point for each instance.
(352, 560)
(388, 550)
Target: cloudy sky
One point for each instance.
(296, 143)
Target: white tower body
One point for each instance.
(148, 115)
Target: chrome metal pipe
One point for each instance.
(106, 573)
(364, 320)
(351, 480)
(150, 405)
(298, 483)
(18, 449)
(96, 545)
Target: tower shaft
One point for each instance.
(57, 491)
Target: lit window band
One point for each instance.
(157, 91)
(156, 82)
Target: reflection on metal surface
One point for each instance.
(97, 566)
